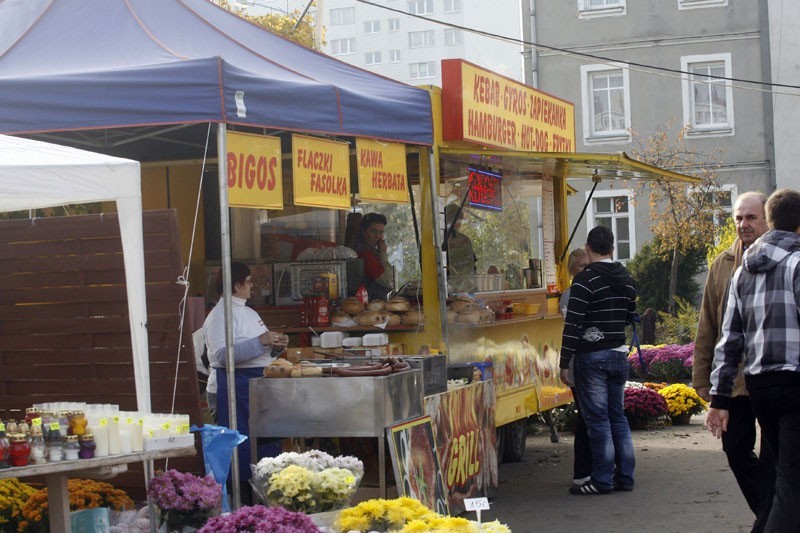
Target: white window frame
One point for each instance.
(420, 7)
(372, 26)
(611, 137)
(698, 4)
(351, 46)
(427, 39)
(453, 6)
(714, 130)
(430, 67)
(453, 37)
(731, 188)
(342, 15)
(614, 9)
(394, 56)
(373, 58)
(394, 24)
(631, 215)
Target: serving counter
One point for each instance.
(361, 406)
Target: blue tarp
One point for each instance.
(93, 64)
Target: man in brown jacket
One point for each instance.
(753, 474)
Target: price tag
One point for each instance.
(129, 420)
(185, 428)
(116, 419)
(141, 421)
(151, 434)
(103, 422)
(36, 421)
(165, 425)
(476, 504)
(55, 426)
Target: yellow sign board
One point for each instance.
(381, 171)
(254, 171)
(489, 109)
(321, 170)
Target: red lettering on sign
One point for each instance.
(371, 158)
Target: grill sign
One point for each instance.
(485, 190)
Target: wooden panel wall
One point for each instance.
(64, 329)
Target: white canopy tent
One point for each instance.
(35, 175)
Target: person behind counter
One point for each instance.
(370, 246)
(254, 348)
(460, 254)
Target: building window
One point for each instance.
(394, 56)
(452, 36)
(394, 24)
(420, 39)
(423, 70)
(373, 58)
(452, 6)
(600, 8)
(420, 7)
(342, 15)
(707, 99)
(605, 95)
(694, 4)
(614, 210)
(341, 47)
(372, 26)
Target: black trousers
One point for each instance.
(778, 411)
(755, 474)
(582, 450)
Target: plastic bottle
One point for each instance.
(362, 295)
(323, 311)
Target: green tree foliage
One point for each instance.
(650, 268)
(726, 237)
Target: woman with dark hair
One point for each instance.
(370, 246)
(254, 348)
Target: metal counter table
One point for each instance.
(334, 407)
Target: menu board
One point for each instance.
(549, 235)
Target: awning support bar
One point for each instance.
(596, 179)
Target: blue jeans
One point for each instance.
(600, 381)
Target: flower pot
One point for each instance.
(681, 419)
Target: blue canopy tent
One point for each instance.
(143, 79)
(69, 65)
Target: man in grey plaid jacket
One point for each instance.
(762, 322)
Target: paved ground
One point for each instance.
(683, 484)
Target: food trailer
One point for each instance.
(497, 174)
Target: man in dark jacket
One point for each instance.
(602, 302)
(761, 323)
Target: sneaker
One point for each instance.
(578, 481)
(623, 488)
(588, 489)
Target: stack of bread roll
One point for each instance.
(393, 312)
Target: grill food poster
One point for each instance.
(321, 172)
(254, 171)
(381, 171)
(466, 440)
(416, 463)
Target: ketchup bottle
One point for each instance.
(323, 311)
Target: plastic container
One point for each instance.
(375, 339)
(332, 339)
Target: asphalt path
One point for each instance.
(683, 484)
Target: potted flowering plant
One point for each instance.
(83, 494)
(682, 402)
(184, 500)
(643, 406)
(407, 515)
(668, 362)
(311, 482)
(259, 518)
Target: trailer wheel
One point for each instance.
(501, 443)
(514, 441)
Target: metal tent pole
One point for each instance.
(230, 369)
